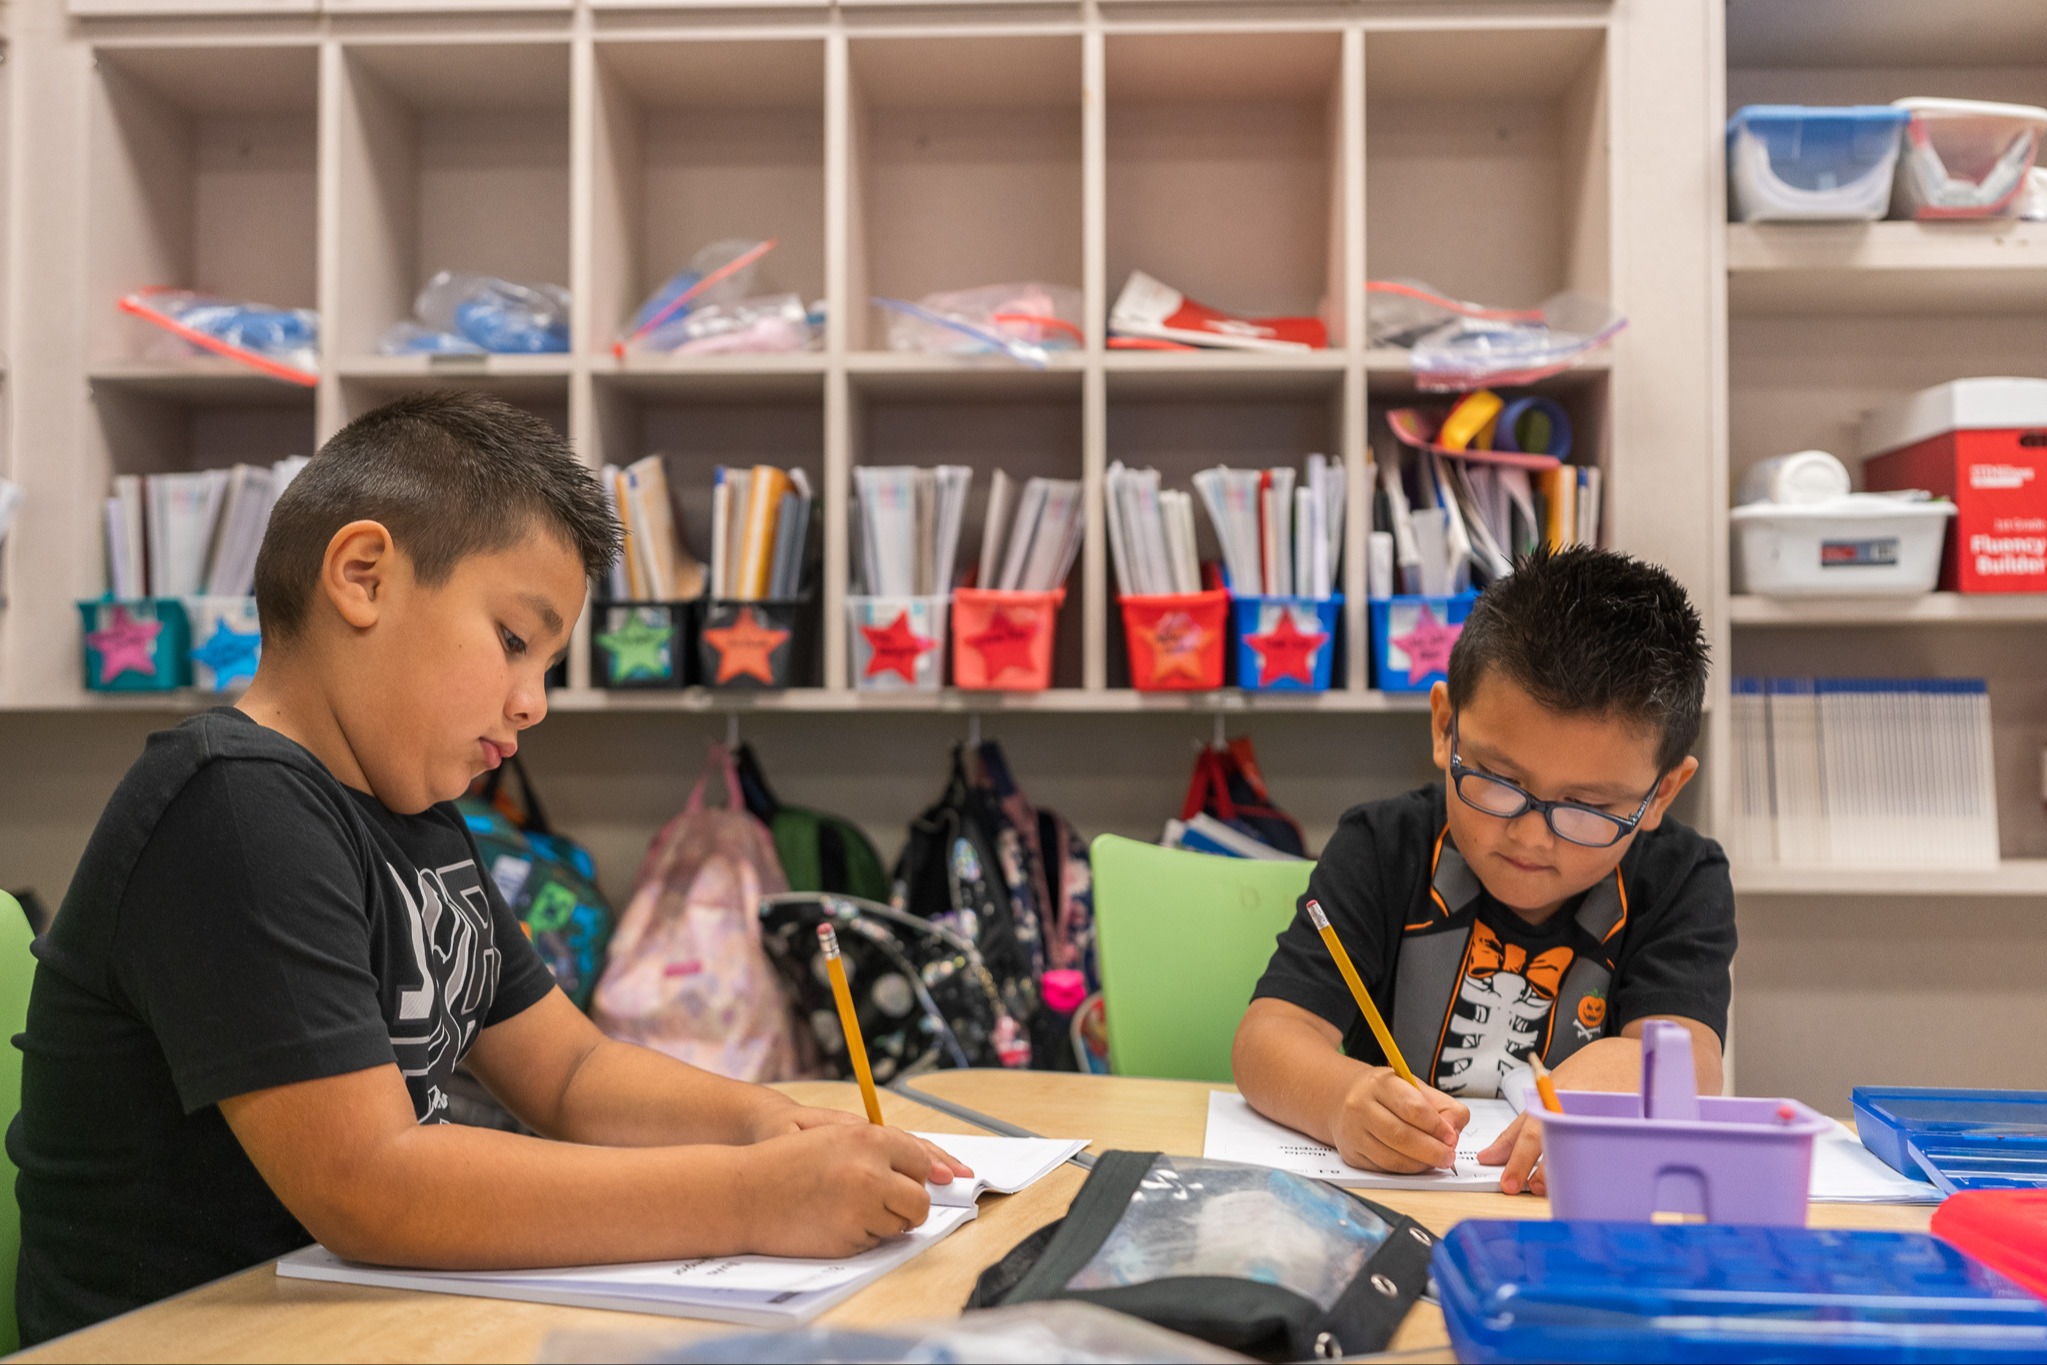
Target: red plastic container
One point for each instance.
(1177, 641)
(2004, 1229)
(1002, 641)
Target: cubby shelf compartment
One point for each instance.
(1938, 608)
(1802, 269)
(1107, 701)
(2012, 877)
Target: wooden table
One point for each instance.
(256, 1316)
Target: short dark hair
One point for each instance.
(1591, 632)
(449, 475)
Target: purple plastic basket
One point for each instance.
(1724, 1160)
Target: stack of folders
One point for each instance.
(655, 564)
(1868, 772)
(760, 524)
(194, 534)
(908, 523)
(1205, 834)
(1030, 547)
(1441, 526)
(1278, 538)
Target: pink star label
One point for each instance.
(125, 644)
(1427, 645)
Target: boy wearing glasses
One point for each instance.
(1536, 903)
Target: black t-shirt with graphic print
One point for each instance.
(240, 920)
(1672, 956)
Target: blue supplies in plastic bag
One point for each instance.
(281, 342)
(459, 313)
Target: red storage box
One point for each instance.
(1177, 640)
(2004, 1229)
(1002, 641)
(1983, 444)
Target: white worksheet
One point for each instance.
(1237, 1132)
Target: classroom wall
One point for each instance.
(1829, 993)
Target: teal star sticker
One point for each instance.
(230, 653)
(639, 649)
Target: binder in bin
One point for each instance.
(1670, 1150)
(1002, 641)
(227, 642)
(898, 643)
(1177, 641)
(1411, 639)
(756, 645)
(136, 644)
(1286, 644)
(1958, 1139)
(1529, 1290)
(638, 645)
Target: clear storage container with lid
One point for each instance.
(1798, 162)
(1965, 158)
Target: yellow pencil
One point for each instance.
(849, 1021)
(1544, 1086)
(1357, 988)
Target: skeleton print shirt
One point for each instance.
(1470, 988)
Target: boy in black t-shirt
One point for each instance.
(278, 944)
(1541, 904)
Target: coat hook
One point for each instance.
(732, 731)
(973, 729)
(1220, 740)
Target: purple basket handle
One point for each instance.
(1670, 1087)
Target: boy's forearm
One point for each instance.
(1292, 1074)
(1616, 1064)
(446, 1196)
(622, 1095)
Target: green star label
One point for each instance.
(639, 648)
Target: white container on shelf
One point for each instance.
(1861, 545)
(1965, 158)
(1811, 163)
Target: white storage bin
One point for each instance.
(1862, 545)
(1811, 163)
(1965, 158)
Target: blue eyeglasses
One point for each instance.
(1569, 821)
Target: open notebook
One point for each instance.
(757, 1291)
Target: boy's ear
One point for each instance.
(1666, 791)
(356, 571)
(1439, 724)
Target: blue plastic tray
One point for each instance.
(1958, 1139)
(1534, 1291)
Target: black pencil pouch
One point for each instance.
(1257, 1260)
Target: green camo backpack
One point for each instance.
(819, 852)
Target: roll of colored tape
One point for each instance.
(1535, 426)
(1470, 424)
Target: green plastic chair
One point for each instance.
(17, 970)
(1182, 939)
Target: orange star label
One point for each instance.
(1177, 649)
(746, 648)
(895, 648)
(1286, 652)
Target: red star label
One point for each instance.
(746, 647)
(126, 644)
(1176, 641)
(1427, 646)
(895, 648)
(1286, 651)
(1004, 644)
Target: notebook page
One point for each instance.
(1237, 1132)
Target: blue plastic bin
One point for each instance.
(1812, 163)
(1958, 1139)
(1286, 644)
(1524, 1290)
(1427, 626)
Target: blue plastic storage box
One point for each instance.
(1958, 1139)
(1534, 1291)
(1802, 162)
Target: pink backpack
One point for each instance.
(687, 974)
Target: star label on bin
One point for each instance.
(639, 648)
(125, 644)
(1427, 645)
(895, 648)
(1005, 643)
(1176, 641)
(1287, 651)
(746, 648)
(230, 653)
